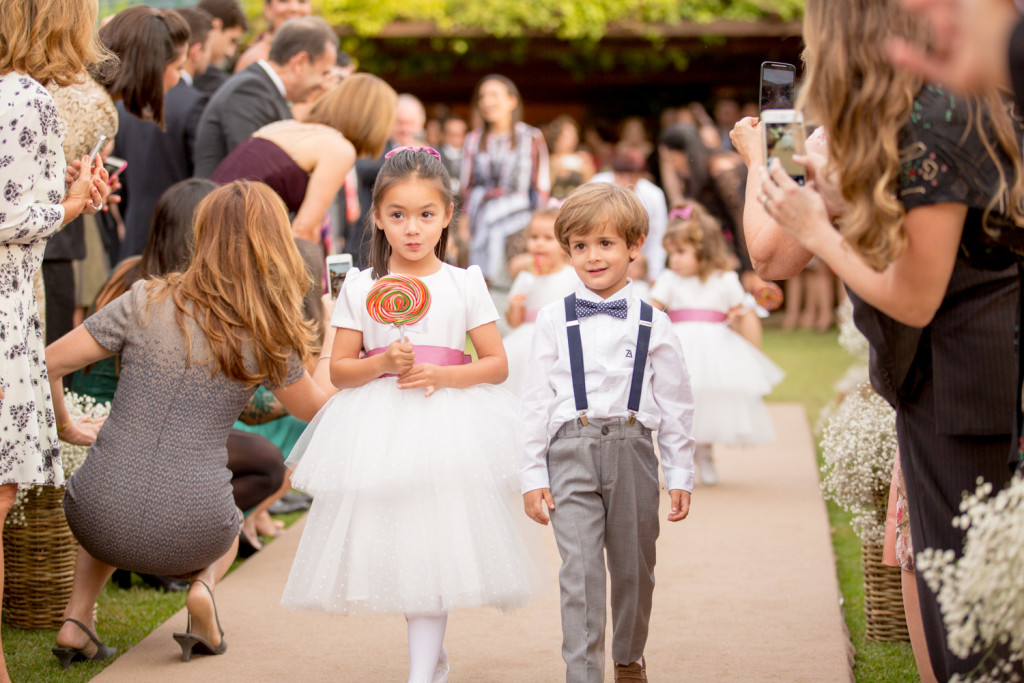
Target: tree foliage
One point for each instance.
(566, 19)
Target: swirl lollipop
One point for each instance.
(769, 296)
(398, 300)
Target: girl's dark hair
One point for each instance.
(402, 166)
(169, 246)
(147, 41)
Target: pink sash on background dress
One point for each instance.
(696, 315)
(530, 316)
(438, 355)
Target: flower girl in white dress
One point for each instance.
(729, 376)
(412, 464)
(548, 279)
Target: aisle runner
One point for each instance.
(746, 591)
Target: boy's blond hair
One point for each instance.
(597, 205)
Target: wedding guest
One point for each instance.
(302, 58)
(276, 13)
(924, 186)
(154, 495)
(229, 23)
(41, 42)
(505, 176)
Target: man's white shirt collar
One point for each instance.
(274, 77)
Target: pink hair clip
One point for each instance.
(682, 214)
(429, 150)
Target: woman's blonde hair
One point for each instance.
(244, 286)
(362, 108)
(53, 41)
(863, 101)
(690, 223)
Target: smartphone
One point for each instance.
(115, 165)
(777, 85)
(96, 149)
(338, 266)
(783, 137)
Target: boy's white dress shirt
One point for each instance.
(609, 345)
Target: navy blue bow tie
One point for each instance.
(616, 309)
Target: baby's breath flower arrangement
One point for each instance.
(71, 456)
(850, 337)
(859, 448)
(982, 594)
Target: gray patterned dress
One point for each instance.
(154, 495)
(31, 187)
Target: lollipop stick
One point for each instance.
(401, 331)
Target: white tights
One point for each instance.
(426, 646)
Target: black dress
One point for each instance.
(954, 383)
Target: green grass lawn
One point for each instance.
(813, 363)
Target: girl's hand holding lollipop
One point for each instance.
(398, 300)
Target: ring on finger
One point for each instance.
(764, 201)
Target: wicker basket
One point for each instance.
(39, 562)
(883, 597)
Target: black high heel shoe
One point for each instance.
(70, 655)
(189, 641)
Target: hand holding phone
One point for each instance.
(114, 165)
(96, 150)
(338, 266)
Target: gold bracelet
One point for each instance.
(323, 357)
(61, 428)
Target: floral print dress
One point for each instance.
(32, 171)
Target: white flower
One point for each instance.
(71, 456)
(981, 595)
(859, 449)
(850, 337)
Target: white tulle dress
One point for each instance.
(416, 506)
(729, 376)
(540, 290)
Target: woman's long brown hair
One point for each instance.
(244, 286)
(863, 101)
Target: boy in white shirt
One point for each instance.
(605, 371)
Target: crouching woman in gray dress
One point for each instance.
(154, 494)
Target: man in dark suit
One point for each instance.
(159, 158)
(229, 23)
(302, 58)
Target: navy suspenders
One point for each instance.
(579, 386)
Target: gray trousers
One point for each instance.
(604, 480)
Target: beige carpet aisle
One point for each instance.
(746, 591)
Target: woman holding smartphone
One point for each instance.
(918, 181)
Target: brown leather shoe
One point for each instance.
(632, 672)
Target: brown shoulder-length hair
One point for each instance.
(405, 165)
(863, 101)
(362, 108)
(53, 41)
(146, 40)
(704, 232)
(244, 285)
(595, 206)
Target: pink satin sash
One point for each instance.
(530, 316)
(696, 315)
(437, 355)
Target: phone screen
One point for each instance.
(777, 83)
(336, 272)
(782, 141)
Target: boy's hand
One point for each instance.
(537, 502)
(680, 505)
